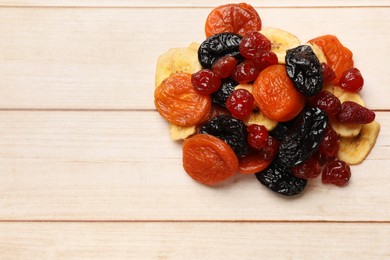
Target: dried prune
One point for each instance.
(217, 46)
(304, 139)
(279, 178)
(305, 70)
(231, 130)
(282, 128)
(221, 95)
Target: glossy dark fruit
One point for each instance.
(205, 81)
(281, 130)
(221, 95)
(329, 147)
(279, 178)
(310, 169)
(224, 66)
(217, 46)
(252, 43)
(327, 102)
(305, 70)
(265, 59)
(245, 72)
(353, 113)
(352, 80)
(231, 130)
(240, 103)
(336, 172)
(271, 149)
(304, 139)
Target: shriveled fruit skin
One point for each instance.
(208, 159)
(353, 113)
(231, 130)
(304, 139)
(275, 94)
(338, 56)
(178, 102)
(221, 95)
(217, 46)
(279, 178)
(336, 172)
(239, 18)
(305, 70)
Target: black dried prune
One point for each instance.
(221, 95)
(305, 70)
(303, 140)
(279, 178)
(231, 130)
(217, 46)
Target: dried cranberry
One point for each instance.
(329, 147)
(257, 136)
(240, 103)
(205, 81)
(329, 74)
(224, 66)
(245, 72)
(352, 80)
(336, 172)
(264, 59)
(271, 149)
(354, 113)
(327, 102)
(252, 43)
(310, 169)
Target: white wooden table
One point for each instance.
(87, 170)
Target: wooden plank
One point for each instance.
(100, 58)
(191, 3)
(194, 241)
(122, 166)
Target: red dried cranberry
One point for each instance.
(205, 81)
(245, 72)
(269, 151)
(329, 74)
(224, 66)
(310, 169)
(352, 80)
(264, 59)
(240, 103)
(336, 172)
(252, 43)
(327, 102)
(329, 146)
(354, 113)
(257, 136)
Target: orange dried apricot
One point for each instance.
(208, 159)
(178, 102)
(275, 94)
(236, 18)
(252, 163)
(339, 57)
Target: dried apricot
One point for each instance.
(253, 162)
(179, 103)
(275, 94)
(237, 18)
(208, 159)
(339, 57)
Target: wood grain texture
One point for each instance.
(194, 241)
(97, 59)
(191, 3)
(122, 166)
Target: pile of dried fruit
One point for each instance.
(253, 100)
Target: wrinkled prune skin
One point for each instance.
(279, 178)
(305, 70)
(231, 130)
(221, 95)
(281, 130)
(303, 140)
(217, 46)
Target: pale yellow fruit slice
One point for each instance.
(354, 150)
(177, 132)
(281, 41)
